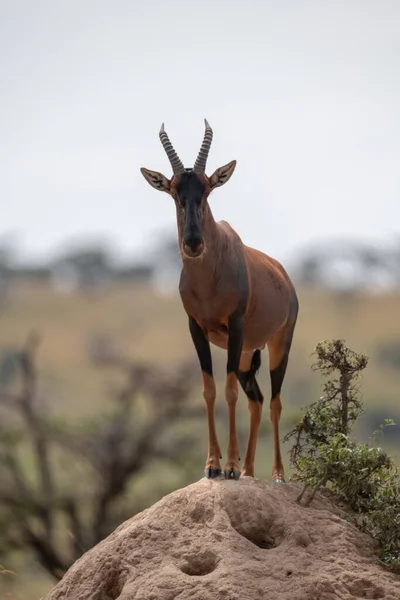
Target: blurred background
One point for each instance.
(101, 411)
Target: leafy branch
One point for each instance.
(324, 454)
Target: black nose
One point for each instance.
(193, 243)
(193, 246)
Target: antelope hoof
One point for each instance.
(279, 480)
(231, 474)
(212, 473)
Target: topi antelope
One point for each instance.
(235, 297)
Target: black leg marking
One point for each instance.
(202, 346)
(277, 376)
(203, 350)
(247, 379)
(235, 343)
(255, 362)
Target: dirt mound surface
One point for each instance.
(231, 540)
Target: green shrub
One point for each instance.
(324, 454)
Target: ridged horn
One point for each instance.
(201, 160)
(176, 163)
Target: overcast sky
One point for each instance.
(304, 94)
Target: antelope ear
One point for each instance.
(157, 180)
(222, 175)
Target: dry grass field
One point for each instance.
(153, 328)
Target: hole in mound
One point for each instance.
(113, 580)
(262, 532)
(262, 541)
(113, 589)
(199, 564)
(259, 539)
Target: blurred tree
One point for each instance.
(90, 268)
(57, 513)
(85, 269)
(348, 266)
(7, 251)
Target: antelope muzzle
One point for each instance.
(193, 247)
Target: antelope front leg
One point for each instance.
(235, 344)
(213, 467)
(202, 345)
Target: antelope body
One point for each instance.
(237, 298)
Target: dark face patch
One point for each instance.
(190, 190)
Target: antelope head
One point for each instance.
(190, 189)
